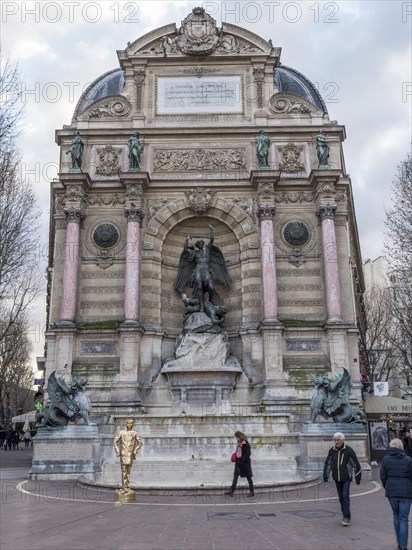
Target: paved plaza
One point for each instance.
(63, 515)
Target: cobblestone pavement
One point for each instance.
(63, 515)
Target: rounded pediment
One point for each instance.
(198, 36)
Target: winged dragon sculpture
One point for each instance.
(67, 403)
(331, 399)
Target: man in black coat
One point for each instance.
(344, 464)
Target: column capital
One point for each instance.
(326, 211)
(266, 211)
(134, 213)
(74, 213)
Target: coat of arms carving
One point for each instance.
(198, 34)
(108, 161)
(292, 158)
(200, 199)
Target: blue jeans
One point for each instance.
(401, 508)
(343, 488)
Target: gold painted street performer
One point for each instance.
(127, 443)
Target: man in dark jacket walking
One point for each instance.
(396, 477)
(344, 464)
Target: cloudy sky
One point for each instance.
(357, 53)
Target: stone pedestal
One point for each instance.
(316, 439)
(65, 453)
(124, 498)
(201, 371)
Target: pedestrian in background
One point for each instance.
(344, 465)
(16, 440)
(9, 439)
(26, 438)
(396, 477)
(243, 465)
(407, 443)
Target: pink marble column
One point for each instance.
(132, 271)
(71, 262)
(330, 262)
(267, 249)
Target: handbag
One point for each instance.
(233, 457)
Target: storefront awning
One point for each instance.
(30, 417)
(387, 408)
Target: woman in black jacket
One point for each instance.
(243, 466)
(396, 477)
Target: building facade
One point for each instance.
(198, 98)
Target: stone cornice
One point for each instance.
(76, 178)
(324, 176)
(264, 176)
(139, 178)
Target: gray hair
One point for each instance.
(339, 435)
(396, 444)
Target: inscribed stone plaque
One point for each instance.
(319, 449)
(98, 347)
(49, 451)
(209, 94)
(303, 345)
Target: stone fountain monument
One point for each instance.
(202, 139)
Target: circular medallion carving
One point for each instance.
(296, 233)
(106, 235)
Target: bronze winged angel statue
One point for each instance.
(202, 266)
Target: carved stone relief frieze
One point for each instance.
(172, 160)
(293, 196)
(76, 193)
(100, 199)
